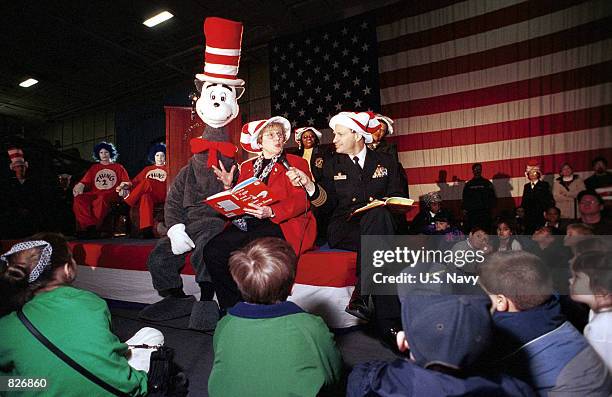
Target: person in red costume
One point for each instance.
(95, 192)
(147, 188)
(289, 218)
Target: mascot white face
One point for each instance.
(218, 104)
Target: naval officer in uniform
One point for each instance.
(352, 178)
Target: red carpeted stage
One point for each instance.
(116, 269)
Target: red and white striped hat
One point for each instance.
(300, 131)
(222, 56)
(16, 157)
(533, 165)
(363, 123)
(386, 120)
(250, 132)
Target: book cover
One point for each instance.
(231, 202)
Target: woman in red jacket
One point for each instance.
(288, 218)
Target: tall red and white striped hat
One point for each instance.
(363, 123)
(16, 157)
(250, 132)
(222, 56)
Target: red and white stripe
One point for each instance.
(498, 83)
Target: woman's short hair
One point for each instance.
(266, 128)
(264, 270)
(519, 276)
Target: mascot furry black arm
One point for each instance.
(191, 222)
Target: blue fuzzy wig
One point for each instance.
(108, 146)
(158, 147)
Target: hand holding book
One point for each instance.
(394, 204)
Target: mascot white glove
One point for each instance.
(179, 240)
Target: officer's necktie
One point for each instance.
(356, 161)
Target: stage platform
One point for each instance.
(116, 269)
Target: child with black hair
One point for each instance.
(505, 236)
(591, 283)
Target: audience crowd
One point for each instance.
(539, 321)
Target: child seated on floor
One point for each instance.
(591, 283)
(445, 335)
(267, 346)
(533, 341)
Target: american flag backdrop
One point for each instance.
(496, 82)
(319, 73)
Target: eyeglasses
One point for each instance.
(272, 135)
(588, 202)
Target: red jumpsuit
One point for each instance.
(91, 207)
(149, 188)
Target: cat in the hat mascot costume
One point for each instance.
(147, 188)
(192, 223)
(95, 192)
(537, 197)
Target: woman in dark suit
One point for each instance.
(308, 140)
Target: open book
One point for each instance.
(394, 204)
(231, 202)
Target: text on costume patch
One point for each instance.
(105, 179)
(158, 175)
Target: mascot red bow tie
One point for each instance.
(199, 145)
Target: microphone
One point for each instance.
(285, 163)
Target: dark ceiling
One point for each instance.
(94, 53)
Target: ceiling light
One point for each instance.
(28, 83)
(157, 19)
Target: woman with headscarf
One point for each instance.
(288, 218)
(38, 277)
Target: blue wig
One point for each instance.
(108, 146)
(158, 147)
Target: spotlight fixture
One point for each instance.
(157, 19)
(28, 83)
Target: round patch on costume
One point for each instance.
(158, 174)
(319, 162)
(105, 179)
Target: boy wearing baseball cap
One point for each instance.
(445, 334)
